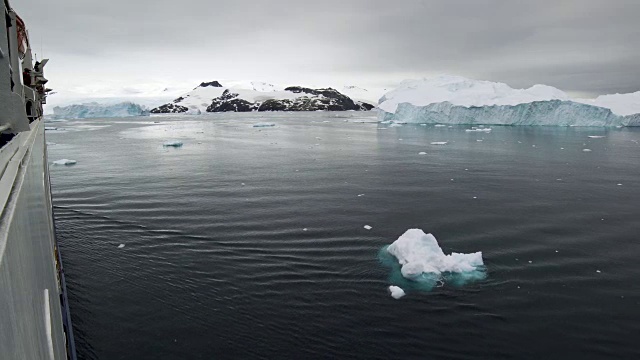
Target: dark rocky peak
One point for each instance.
(207, 84)
(328, 92)
(228, 95)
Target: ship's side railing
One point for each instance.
(22, 93)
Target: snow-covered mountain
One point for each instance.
(257, 96)
(368, 95)
(450, 99)
(95, 110)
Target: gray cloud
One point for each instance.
(584, 46)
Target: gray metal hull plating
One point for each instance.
(31, 325)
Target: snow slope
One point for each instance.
(96, 110)
(368, 95)
(457, 100)
(619, 104)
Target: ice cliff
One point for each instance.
(258, 96)
(95, 110)
(458, 100)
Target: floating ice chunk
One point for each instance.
(396, 292)
(439, 143)
(586, 150)
(436, 125)
(264, 124)
(359, 195)
(419, 253)
(305, 229)
(173, 143)
(64, 162)
(598, 271)
(479, 140)
(120, 246)
(484, 130)
(422, 153)
(596, 136)
(619, 184)
(368, 227)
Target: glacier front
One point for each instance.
(96, 110)
(458, 100)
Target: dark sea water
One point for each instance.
(217, 264)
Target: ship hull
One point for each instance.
(35, 321)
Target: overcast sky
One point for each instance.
(114, 47)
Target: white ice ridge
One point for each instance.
(450, 99)
(420, 253)
(461, 91)
(64, 162)
(396, 292)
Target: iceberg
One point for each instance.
(96, 110)
(65, 162)
(457, 100)
(421, 263)
(396, 292)
(172, 144)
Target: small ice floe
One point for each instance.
(360, 195)
(305, 229)
(586, 150)
(264, 124)
(596, 137)
(422, 153)
(422, 260)
(368, 227)
(619, 185)
(437, 125)
(479, 140)
(65, 162)
(474, 129)
(120, 246)
(598, 271)
(439, 143)
(475, 197)
(395, 124)
(51, 143)
(172, 143)
(326, 121)
(317, 138)
(396, 292)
